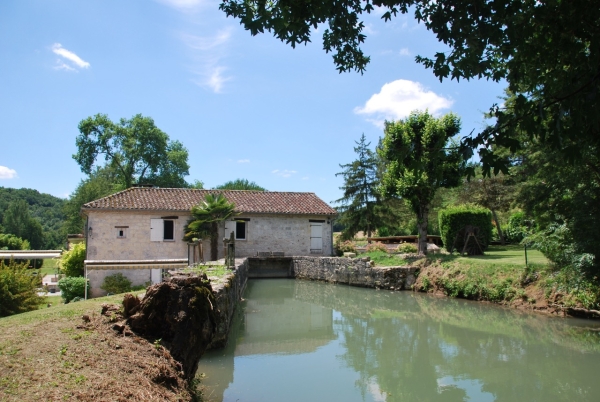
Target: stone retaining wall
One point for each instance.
(228, 292)
(353, 272)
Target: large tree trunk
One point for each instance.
(214, 242)
(422, 222)
(500, 234)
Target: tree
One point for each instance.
(71, 263)
(18, 221)
(240, 184)
(361, 196)
(137, 151)
(495, 193)
(18, 289)
(547, 51)
(101, 182)
(419, 162)
(207, 216)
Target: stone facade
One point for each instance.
(287, 233)
(135, 244)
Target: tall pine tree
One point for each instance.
(361, 201)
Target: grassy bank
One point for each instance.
(499, 276)
(71, 352)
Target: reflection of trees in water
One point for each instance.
(409, 354)
(412, 347)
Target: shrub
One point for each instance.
(517, 228)
(407, 248)
(377, 246)
(72, 287)
(454, 219)
(116, 283)
(71, 262)
(18, 289)
(345, 247)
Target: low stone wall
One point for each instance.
(353, 272)
(227, 292)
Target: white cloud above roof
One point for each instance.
(7, 173)
(398, 98)
(284, 173)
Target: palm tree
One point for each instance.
(207, 216)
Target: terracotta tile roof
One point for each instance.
(182, 199)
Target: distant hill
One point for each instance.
(47, 208)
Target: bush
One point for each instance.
(116, 284)
(377, 246)
(71, 262)
(454, 219)
(517, 228)
(345, 247)
(18, 289)
(407, 248)
(72, 287)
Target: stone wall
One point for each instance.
(354, 272)
(287, 233)
(96, 278)
(104, 244)
(228, 292)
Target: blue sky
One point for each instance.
(245, 107)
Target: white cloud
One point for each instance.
(208, 54)
(398, 98)
(284, 173)
(184, 5)
(75, 60)
(243, 161)
(305, 178)
(7, 173)
(405, 52)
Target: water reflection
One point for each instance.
(300, 340)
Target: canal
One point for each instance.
(295, 340)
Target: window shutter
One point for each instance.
(229, 227)
(156, 229)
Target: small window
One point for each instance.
(121, 231)
(240, 230)
(168, 231)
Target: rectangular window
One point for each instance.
(168, 231)
(240, 230)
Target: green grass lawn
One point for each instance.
(49, 267)
(510, 257)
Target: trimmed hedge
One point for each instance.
(72, 287)
(454, 219)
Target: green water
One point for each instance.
(298, 340)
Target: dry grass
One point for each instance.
(54, 354)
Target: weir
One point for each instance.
(270, 267)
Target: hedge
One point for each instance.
(454, 219)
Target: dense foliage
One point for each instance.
(548, 52)
(240, 184)
(72, 288)
(116, 284)
(136, 150)
(18, 289)
(12, 242)
(43, 219)
(100, 183)
(71, 262)
(362, 204)
(454, 219)
(419, 162)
